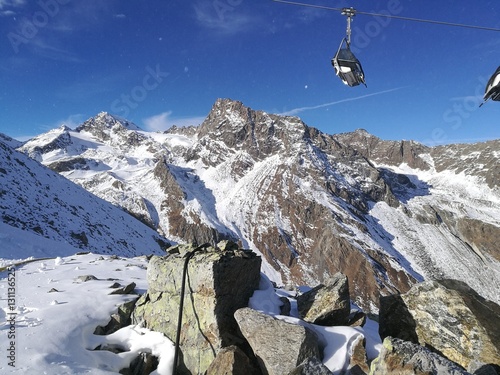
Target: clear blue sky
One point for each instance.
(160, 62)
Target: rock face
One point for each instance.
(399, 357)
(232, 361)
(218, 283)
(311, 366)
(279, 346)
(327, 305)
(447, 317)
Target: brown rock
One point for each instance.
(327, 305)
(232, 361)
(358, 363)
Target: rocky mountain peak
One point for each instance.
(55, 139)
(104, 123)
(111, 129)
(258, 133)
(386, 152)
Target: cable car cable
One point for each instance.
(389, 16)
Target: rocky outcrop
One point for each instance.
(447, 317)
(279, 346)
(476, 159)
(398, 357)
(218, 283)
(386, 152)
(327, 305)
(190, 228)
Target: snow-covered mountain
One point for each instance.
(35, 199)
(385, 213)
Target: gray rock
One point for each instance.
(145, 363)
(85, 278)
(227, 245)
(357, 319)
(448, 317)
(286, 307)
(217, 284)
(326, 305)
(279, 346)
(120, 319)
(127, 289)
(399, 357)
(311, 366)
(479, 368)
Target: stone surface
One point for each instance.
(357, 319)
(144, 364)
(127, 289)
(327, 305)
(311, 366)
(217, 284)
(358, 364)
(286, 307)
(85, 278)
(398, 357)
(120, 319)
(447, 317)
(279, 346)
(232, 361)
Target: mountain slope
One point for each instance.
(40, 201)
(384, 213)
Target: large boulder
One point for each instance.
(447, 317)
(218, 283)
(327, 305)
(399, 357)
(278, 345)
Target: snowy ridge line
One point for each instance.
(24, 262)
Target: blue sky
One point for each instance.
(159, 63)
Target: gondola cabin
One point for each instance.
(493, 87)
(347, 66)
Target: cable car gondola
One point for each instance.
(492, 88)
(346, 65)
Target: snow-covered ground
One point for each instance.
(48, 316)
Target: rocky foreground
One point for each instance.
(438, 327)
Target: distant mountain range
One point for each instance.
(385, 213)
(38, 200)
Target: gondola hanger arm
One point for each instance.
(389, 16)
